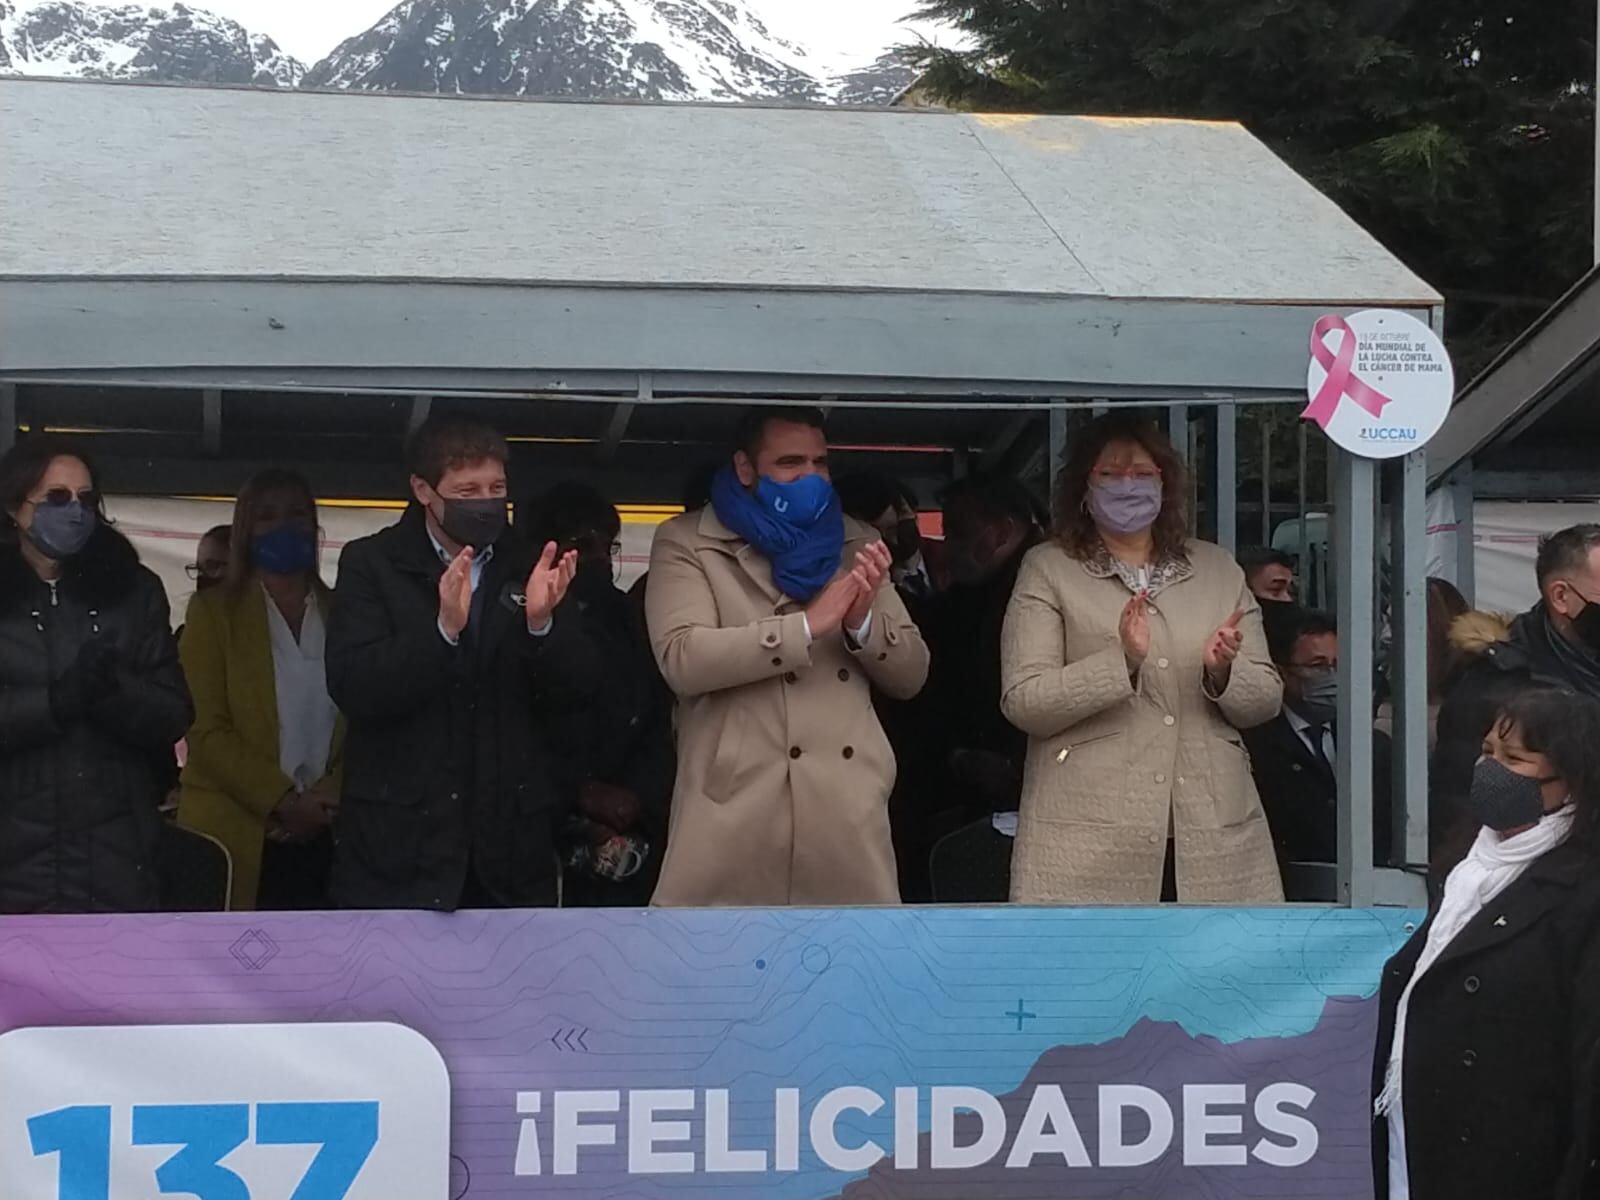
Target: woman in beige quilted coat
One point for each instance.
(1132, 657)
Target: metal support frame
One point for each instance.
(617, 427)
(1266, 483)
(1353, 538)
(8, 416)
(1462, 503)
(1058, 447)
(1003, 440)
(421, 407)
(1408, 592)
(1178, 429)
(211, 421)
(1225, 495)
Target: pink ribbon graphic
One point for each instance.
(1341, 379)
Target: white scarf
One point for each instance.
(1492, 865)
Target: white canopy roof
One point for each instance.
(1045, 239)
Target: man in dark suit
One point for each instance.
(446, 653)
(1292, 756)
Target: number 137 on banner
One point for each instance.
(203, 1135)
(223, 1112)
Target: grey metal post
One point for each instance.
(1178, 429)
(1304, 443)
(1354, 489)
(1460, 486)
(1226, 491)
(8, 416)
(1266, 479)
(1408, 618)
(211, 420)
(1058, 449)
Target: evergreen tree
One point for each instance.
(1460, 132)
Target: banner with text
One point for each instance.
(920, 1054)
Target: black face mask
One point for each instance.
(1587, 625)
(1501, 799)
(475, 523)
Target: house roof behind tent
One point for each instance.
(1063, 247)
(1530, 423)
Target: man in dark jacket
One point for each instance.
(1292, 756)
(967, 762)
(444, 651)
(618, 760)
(1555, 643)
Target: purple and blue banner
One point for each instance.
(908, 1054)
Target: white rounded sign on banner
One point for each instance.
(1380, 382)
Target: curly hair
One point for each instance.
(1075, 528)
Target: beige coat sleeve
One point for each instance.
(696, 655)
(1254, 694)
(1040, 692)
(894, 656)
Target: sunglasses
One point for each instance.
(60, 497)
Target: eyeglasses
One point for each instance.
(60, 497)
(1126, 473)
(198, 571)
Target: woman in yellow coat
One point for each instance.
(262, 772)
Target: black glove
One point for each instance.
(91, 678)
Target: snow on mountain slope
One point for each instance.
(643, 49)
(177, 44)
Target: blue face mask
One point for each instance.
(800, 502)
(286, 550)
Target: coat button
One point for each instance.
(883, 658)
(1161, 778)
(1169, 720)
(1155, 839)
(794, 751)
(849, 751)
(1162, 663)
(1469, 1058)
(791, 677)
(844, 675)
(1466, 1137)
(1471, 984)
(455, 795)
(777, 662)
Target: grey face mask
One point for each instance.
(61, 530)
(1319, 696)
(1502, 799)
(1124, 506)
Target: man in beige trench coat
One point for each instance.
(784, 773)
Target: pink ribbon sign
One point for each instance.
(1341, 381)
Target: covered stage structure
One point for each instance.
(198, 282)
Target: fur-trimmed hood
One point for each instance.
(1475, 631)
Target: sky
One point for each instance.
(309, 29)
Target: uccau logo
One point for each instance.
(1381, 433)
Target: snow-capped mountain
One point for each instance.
(643, 49)
(623, 49)
(177, 44)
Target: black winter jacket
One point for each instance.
(1501, 1082)
(445, 761)
(79, 797)
(1498, 659)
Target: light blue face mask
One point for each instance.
(800, 502)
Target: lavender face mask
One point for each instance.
(1125, 506)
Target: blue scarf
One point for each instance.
(799, 526)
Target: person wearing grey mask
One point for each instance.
(92, 700)
(1133, 655)
(1292, 757)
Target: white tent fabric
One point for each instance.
(1506, 541)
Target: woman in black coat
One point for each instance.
(92, 700)
(1487, 1071)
